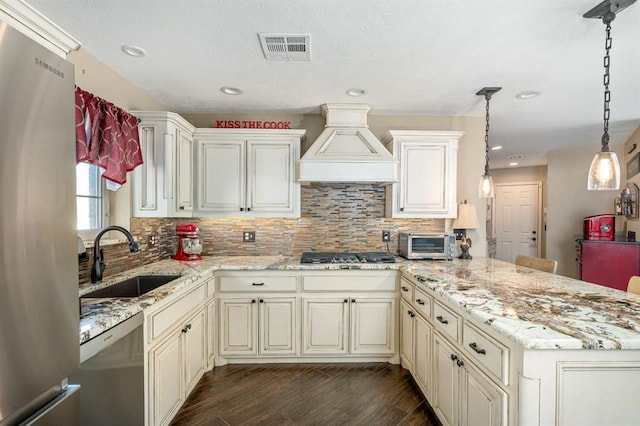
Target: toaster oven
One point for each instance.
(427, 246)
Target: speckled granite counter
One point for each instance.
(535, 309)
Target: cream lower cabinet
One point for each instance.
(176, 342)
(257, 326)
(407, 329)
(463, 394)
(348, 325)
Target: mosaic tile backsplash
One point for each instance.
(334, 217)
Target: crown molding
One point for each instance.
(32, 23)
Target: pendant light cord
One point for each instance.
(607, 93)
(486, 138)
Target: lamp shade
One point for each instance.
(467, 217)
(604, 173)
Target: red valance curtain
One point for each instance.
(106, 136)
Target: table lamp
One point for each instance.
(467, 219)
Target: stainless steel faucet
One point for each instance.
(98, 253)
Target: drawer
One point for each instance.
(257, 283)
(446, 320)
(487, 351)
(422, 302)
(406, 290)
(171, 315)
(353, 283)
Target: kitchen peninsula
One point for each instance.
(507, 344)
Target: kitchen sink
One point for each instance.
(132, 287)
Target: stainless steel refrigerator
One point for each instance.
(39, 341)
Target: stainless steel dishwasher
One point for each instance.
(111, 376)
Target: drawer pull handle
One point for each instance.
(420, 301)
(186, 328)
(257, 284)
(476, 350)
(404, 288)
(442, 320)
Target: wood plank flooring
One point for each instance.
(306, 394)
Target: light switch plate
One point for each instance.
(249, 236)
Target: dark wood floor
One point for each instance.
(306, 394)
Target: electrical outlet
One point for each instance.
(249, 236)
(386, 236)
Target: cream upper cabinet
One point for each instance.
(244, 173)
(163, 184)
(426, 186)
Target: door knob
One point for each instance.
(533, 232)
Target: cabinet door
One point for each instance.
(221, 176)
(372, 326)
(278, 326)
(184, 173)
(609, 264)
(424, 181)
(423, 361)
(238, 327)
(406, 335)
(482, 401)
(271, 186)
(446, 381)
(325, 326)
(145, 176)
(195, 350)
(166, 387)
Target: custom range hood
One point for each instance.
(347, 151)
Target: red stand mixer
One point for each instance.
(189, 243)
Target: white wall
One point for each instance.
(569, 202)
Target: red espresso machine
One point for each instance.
(601, 227)
(189, 243)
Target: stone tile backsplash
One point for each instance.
(334, 217)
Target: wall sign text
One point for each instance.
(240, 124)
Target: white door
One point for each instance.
(372, 326)
(239, 327)
(518, 220)
(325, 326)
(270, 173)
(278, 325)
(221, 176)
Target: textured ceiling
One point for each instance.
(426, 57)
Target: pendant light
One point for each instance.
(604, 173)
(485, 187)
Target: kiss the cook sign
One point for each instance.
(243, 124)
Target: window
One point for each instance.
(91, 200)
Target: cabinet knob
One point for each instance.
(454, 357)
(419, 301)
(460, 363)
(404, 288)
(261, 300)
(401, 209)
(248, 209)
(442, 320)
(345, 300)
(186, 328)
(353, 300)
(253, 300)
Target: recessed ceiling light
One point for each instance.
(496, 148)
(230, 90)
(135, 51)
(356, 92)
(513, 164)
(528, 94)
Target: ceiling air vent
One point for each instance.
(294, 47)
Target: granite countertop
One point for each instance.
(538, 310)
(535, 309)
